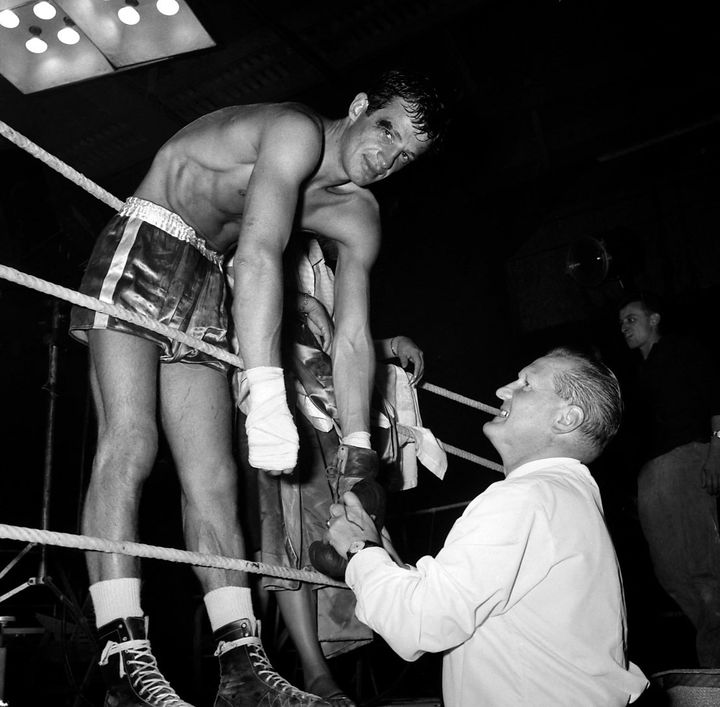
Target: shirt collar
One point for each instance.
(559, 463)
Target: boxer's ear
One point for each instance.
(358, 106)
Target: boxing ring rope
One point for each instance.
(139, 549)
(49, 288)
(59, 166)
(468, 456)
(85, 542)
(64, 293)
(459, 398)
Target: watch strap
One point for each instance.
(361, 545)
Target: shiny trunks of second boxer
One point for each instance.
(149, 261)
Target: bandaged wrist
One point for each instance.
(264, 383)
(357, 439)
(272, 437)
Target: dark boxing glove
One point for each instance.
(357, 469)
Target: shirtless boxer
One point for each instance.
(240, 178)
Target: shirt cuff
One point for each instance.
(365, 561)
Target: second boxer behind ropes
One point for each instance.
(237, 178)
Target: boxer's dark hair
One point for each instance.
(428, 112)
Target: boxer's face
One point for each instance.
(381, 143)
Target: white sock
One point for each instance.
(357, 439)
(228, 604)
(116, 599)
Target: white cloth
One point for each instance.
(401, 408)
(525, 598)
(315, 277)
(319, 419)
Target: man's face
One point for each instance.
(380, 144)
(530, 407)
(637, 326)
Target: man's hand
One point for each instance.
(318, 321)
(349, 522)
(409, 352)
(272, 436)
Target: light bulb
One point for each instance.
(44, 10)
(167, 7)
(128, 14)
(9, 19)
(36, 45)
(68, 35)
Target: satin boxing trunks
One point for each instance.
(148, 260)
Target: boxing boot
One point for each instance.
(246, 676)
(356, 471)
(129, 668)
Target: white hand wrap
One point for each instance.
(272, 437)
(358, 439)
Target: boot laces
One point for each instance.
(140, 666)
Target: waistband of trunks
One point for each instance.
(171, 223)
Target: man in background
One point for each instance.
(674, 413)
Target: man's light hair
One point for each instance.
(593, 387)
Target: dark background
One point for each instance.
(572, 121)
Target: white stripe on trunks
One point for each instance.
(117, 268)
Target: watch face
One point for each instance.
(356, 546)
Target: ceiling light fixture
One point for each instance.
(35, 44)
(9, 19)
(68, 34)
(44, 10)
(128, 14)
(167, 7)
(87, 39)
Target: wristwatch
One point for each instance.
(357, 545)
(715, 433)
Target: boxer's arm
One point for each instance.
(289, 150)
(353, 354)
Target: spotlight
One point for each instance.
(9, 19)
(128, 14)
(167, 7)
(68, 34)
(35, 44)
(44, 10)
